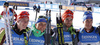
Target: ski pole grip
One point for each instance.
(16, 7)
(60, 6)
(47, 12)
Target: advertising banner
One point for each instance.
(24, 4)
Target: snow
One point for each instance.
(77, 21)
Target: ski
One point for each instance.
(7, 19)
(48, 28)
(58, 30)
(12, 20)
(60, 27)
(7, 28)
(36, 14)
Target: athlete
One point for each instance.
(68, 31)
(19, 30)
(89, 34)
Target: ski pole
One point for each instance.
(46, 37)
(49, 21)
(36, 14)
(48, 28)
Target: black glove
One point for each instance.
(98, 28)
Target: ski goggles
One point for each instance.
(41, 20)
(43, 17)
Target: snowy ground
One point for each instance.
(77, 21)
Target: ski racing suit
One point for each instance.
(67, 36)
(91, 38)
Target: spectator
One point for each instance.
(38, 8)
(34, 7)
(45, 2)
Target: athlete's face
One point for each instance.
(22, 23)
(88, 23)
(41, 26)
(68, 21)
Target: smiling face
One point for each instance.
(22, 23)
(68, 21)
(88, 24)
(41, 26)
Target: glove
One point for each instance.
(0, 16)
(98, 28)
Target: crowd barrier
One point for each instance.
(75, 8)
(11, 3)
(29, 6)
(48, 6)
(56, 6)
(96, 9)
(82, 8)
(2, 2)
(23, 4)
